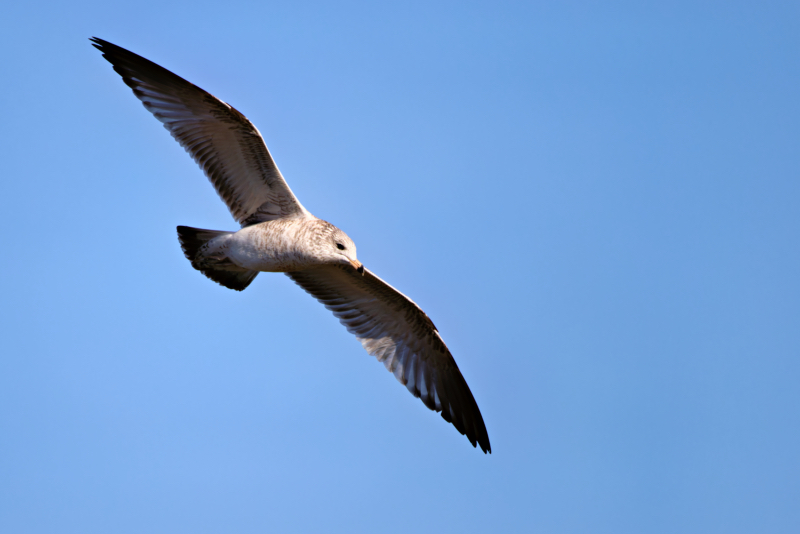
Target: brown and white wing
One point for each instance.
(226, 145)
(398, 333)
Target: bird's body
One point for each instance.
(279, 235)
(281, 246)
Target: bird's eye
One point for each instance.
(339, 246)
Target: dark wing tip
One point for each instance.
(460, 409)
(106, 47)
(134, 68)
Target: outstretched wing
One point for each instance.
(398, 333)
(221, 140)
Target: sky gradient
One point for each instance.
(596, 203)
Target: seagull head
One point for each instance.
(344, 250)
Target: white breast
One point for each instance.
(273, 246)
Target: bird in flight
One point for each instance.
(279, 235)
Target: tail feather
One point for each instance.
(193, 238)
(216, 267)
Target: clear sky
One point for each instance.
(596, 203)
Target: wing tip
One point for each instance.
(101, 44)
(486, 447)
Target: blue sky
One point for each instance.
(596, 203)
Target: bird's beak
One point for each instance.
(357, 266)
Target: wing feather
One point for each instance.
(400, 335)
(227, 146)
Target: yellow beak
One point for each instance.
(357, 266)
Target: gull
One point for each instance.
(279, 235)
